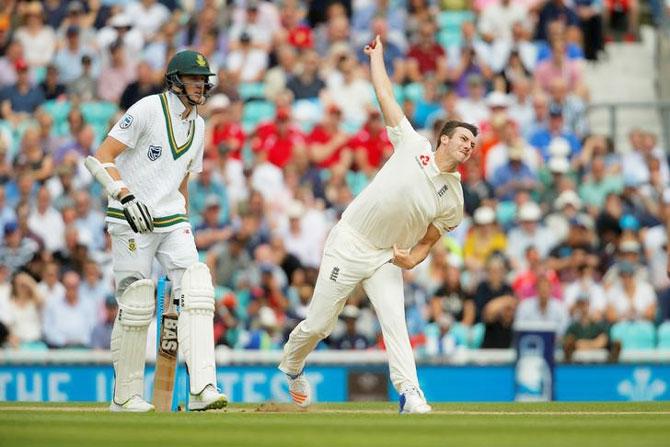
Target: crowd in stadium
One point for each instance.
(562, 226)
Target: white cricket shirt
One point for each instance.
(161, 148)
(408, 193)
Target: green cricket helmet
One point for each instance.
(187, 62)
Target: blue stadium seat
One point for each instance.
(252, 90)
(452, 20)
(663, 335)
(256, 111)
(449, 23)
(634, 334)
(39, 74)
(398, 92)
(58, 110)
(413, 92)
(99, 113)
(468, 336)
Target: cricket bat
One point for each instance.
(166, 357)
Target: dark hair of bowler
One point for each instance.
(450, 127)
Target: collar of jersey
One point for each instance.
(177, 107)
(434, 171)
(168, 113)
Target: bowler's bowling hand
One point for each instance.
(402, 257)
(374, 47)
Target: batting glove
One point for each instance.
(137, 214)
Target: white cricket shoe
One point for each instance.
(208, 399)
(413, 402)
(133, 405)
(300, 390)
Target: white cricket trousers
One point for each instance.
(348, 259)
(133, 253)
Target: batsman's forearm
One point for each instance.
(107, 175)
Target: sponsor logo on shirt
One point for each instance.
(334, 273)
(126, 121)
(154, 152)
(442, 191)
(424, 159)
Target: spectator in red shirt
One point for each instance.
(223, 128)
(295, 31)
(426, 57)
(525, 282)
(279, 139)
(328, 143)
(371, 144)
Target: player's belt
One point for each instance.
(177, 151)
(159, 222)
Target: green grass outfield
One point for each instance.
(349, 424)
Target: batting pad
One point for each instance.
(196, 331)
(129, 339)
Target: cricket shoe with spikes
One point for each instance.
(300, 390)
(133, 405)
(208, 399)
(413, 402)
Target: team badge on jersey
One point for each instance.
(154, 152)
(126, 121)
(132, 246)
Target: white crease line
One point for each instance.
(344, 411)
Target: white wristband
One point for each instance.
(116, 188)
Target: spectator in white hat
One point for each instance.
(120, 27)
(630, 252)
(567, 206)
(529, 232)
(352, 338)
(149, 16)
(632, 298)
(555, 177)
(38, 39)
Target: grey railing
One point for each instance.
(613, 109)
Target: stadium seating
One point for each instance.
(98, 113)
(256, 111)
(58, 111)
(468, 336)
(450, 23)
(250, 91)
(413, 92)
(663, 335)
(634, 334)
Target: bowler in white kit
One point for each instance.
(392, 225)
(144, 165)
